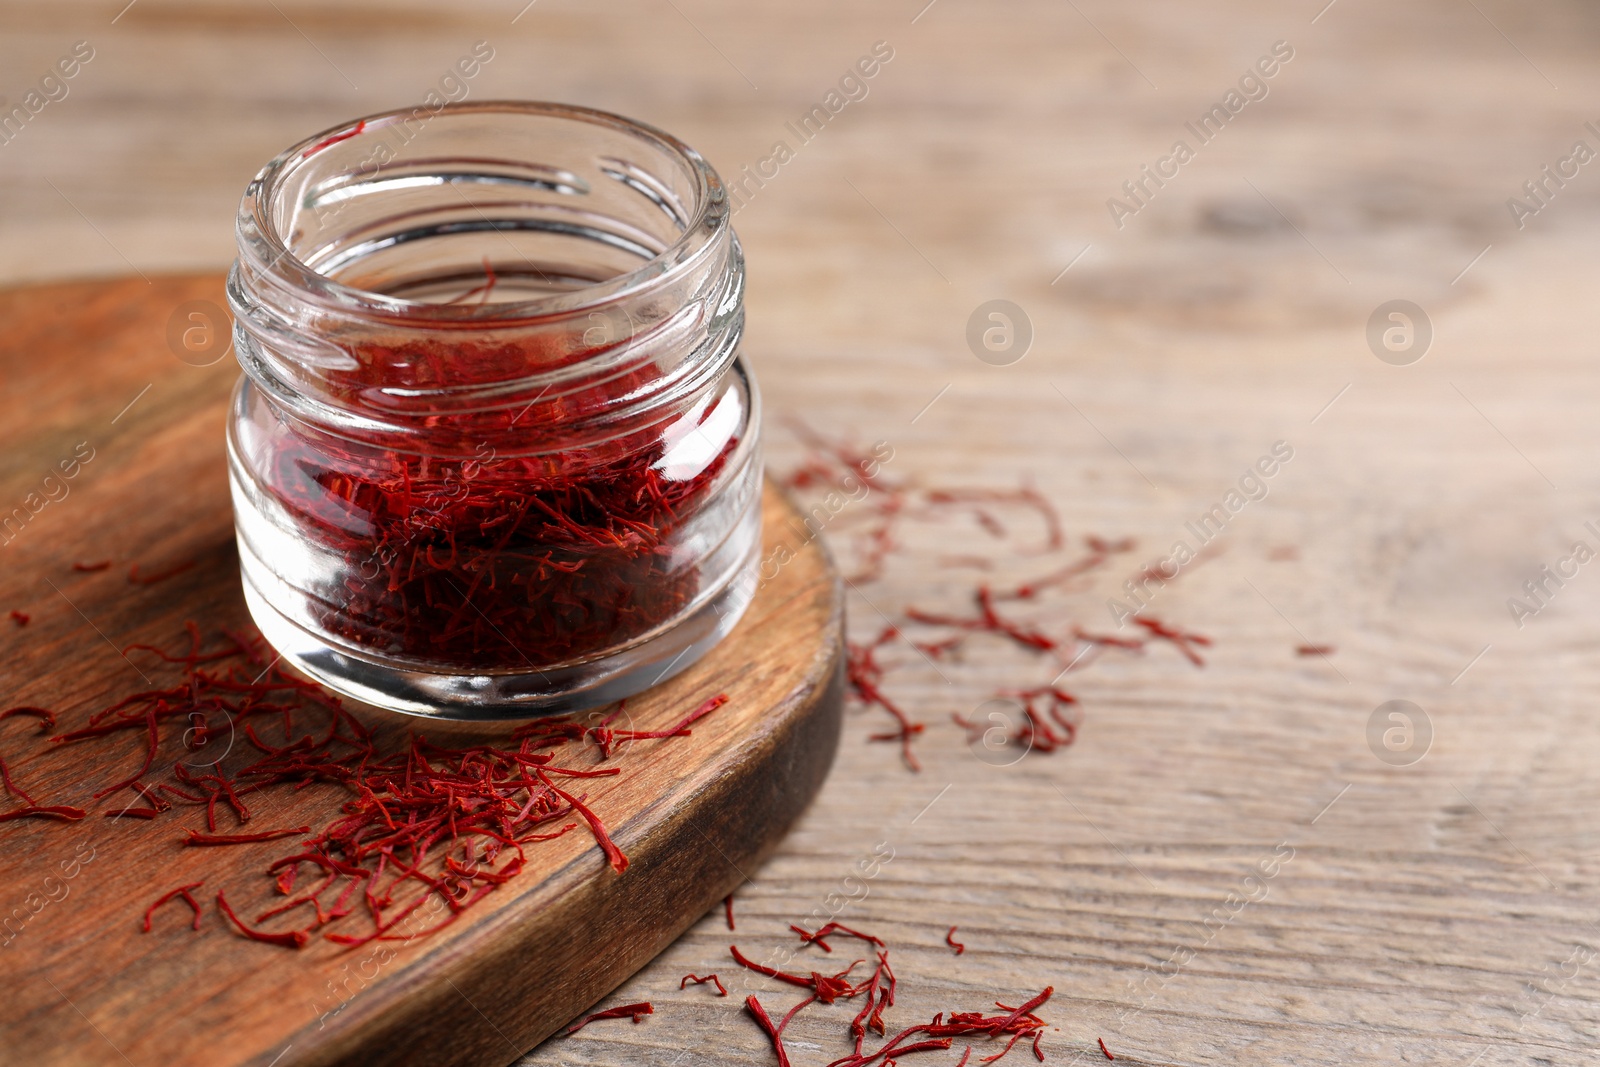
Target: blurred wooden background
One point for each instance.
(1442, 912)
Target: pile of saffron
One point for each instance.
(422, 826)
(491, 539)
(866, 517)
(877, 986)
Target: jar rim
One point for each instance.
(707, 216)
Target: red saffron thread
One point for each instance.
(134, 577)
(288, 939)
(47, 719)
(727, 909)
(833, 928)
(634, 1011)
(181, 891)
(32, 811)
(328, 142)
(764, 1021)
(950, 939)
(199, 839)
(21, 618)
(1103, 1048)
(722, 990)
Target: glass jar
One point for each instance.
(494, 451)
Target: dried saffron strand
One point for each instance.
(21, 618)
(770, 972)
(47, 719)
(196, 838)
(950, 939)
(1044, 729)
(1026, 496)
(864, 674)
(328, 142)
(33, 811)
(181, 891)
(614, 856)
(722, 990)
(633, 1011)
(833, 928)
(763, 1020)
(727, 909)
(1103, 1048)
(988, 620)
(289, 939)
(134, 578)
(1180, 639)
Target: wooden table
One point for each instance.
(1438, 912)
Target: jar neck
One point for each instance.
(546, 274)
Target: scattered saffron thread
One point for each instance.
(1103, 1048)
(135, 578)
(722, 990)
(634, 1011)
(289, 939)
(950, 939)
(197, 838)
(181, 891)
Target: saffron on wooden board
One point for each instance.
(1103, 1048)
(182, 891)
(135, 578)
(422, 824)
(950, 939)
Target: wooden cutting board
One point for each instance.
(102, 377)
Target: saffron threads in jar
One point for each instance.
(497, 561)
(495, 449)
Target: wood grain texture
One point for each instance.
(1437, 913)
(151, 489)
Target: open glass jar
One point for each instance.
(494, 451)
